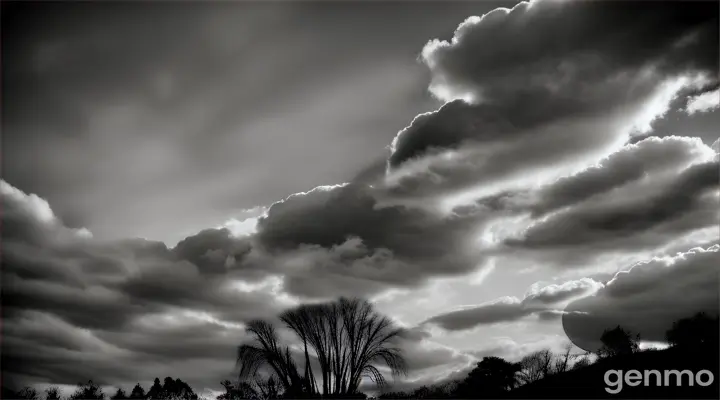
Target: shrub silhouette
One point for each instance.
(89, 391)
(445, 390)
(28, 393)
(52, 393)
(156, 390)
(618, 341)
(582, 362)
(119, 395)
(251, 391)
(137, 393)
(700, 330)
(490, 378)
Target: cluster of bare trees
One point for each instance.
(341, 342)
(493, 377)
(543, 363)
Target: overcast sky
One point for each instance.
(172, 170)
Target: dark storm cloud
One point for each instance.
(96, 284)
(685, 203)
(422, 354)
(344, 232)
(648, 297)
(212, 250)
(564, 58)
(539, 300)
(500, 310)
(29, 218)
(652, 156)
(105, 288)
(427, 363)
(574, 84)
(201, 340)
(69, 300)
(141, 309)
(67, 354)
(641, 197)
(92, 307)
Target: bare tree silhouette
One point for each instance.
(543, 363)
(563, 360)
(536, 366)
(348, 338)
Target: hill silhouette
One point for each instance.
(686, 370)
(589, 382)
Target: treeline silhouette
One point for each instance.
(344, 341)
(171, 389)
(545, 375)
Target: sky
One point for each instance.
(498, 177)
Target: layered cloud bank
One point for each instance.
(648, 297)
(534, 156)
(545, 302)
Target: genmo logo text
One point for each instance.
(615, 379)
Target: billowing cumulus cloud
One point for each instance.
(337, 238)
(561, 81)
(27, 217)
(703, 102)
(212, 250)
(527, 48)
(342, 240)
(648, 297)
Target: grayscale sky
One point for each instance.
(171, 170)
